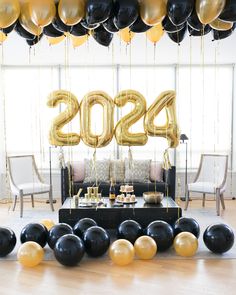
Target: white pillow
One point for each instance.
(137, 170)
(98, 171)
(117, 170)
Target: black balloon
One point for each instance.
(196, 33)
(97, 11)
(79, 30)
(35, 232)
(23, 33)
(60, 26)
(125, 13)
(185, 224)
(129, 230)
(82, 225)
(9, 29)
(102, 36)
(7, 241)
(58, 231)
(219, 238)
(69, 250)
(194, 22)
(179, 10)
(169, 27)
(96, 241)
(162, 233)
(178, 37)
(139, 26)
(51, 31)
(229, 12)
(110, 26)
(218, 35)
(34, 41)
(85, 24)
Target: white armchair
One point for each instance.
(210, 179)
(25, 180)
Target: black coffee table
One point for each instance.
(110, 217)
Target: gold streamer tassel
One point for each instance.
(130, 158)
(166, 160)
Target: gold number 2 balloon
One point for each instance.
(90, 139)
(56, 136)
(122, 133)
(170, 130)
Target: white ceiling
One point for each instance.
(16, 52)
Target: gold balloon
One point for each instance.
(170, 131)
(185, 244)
(3, 37)
(56, 136)
(9, 12)
(126, 35)
(145, 247)
(71, 12)
(26, 21)
(42, 12)
(209, 10)
(152, 12)
(103, 139)
(121, 252)
(122, 133)
(30, 254)
(48, 223)
(55, 40)
(78, 41)
(221, 25)
(155, 33)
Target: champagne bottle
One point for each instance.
(112, 191)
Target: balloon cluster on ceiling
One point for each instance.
(32, 19)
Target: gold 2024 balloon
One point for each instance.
(152, 12)
(209, 10)
(145, 247)
(122, 133)
(92, 98)
(121, 252)
(26, 21)
(9, 12)
(42, 12)
(221, 25)
(71, 11)
(56, 136)
(30, 254)
(185, 244)
(170, 131)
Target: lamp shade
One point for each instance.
(183, 137)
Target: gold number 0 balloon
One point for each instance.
(122, 134)
(56, 136)
(170, 130)
(90, 139)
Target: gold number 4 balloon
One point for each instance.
(56, 136)
(123, 135)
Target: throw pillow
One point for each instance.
(156, 171)
(137, 171)
(78, 171)
(117, 170)
(98, 172)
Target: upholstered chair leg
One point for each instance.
(186, 201)
(21, 205)
(50, 199)
(222, 201)
(32, 200)
(203, 200)
(218, 202)
(14, 205)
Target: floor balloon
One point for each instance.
(30, 254)
(185, 224)
(58, 231)
(122, 252)
(129, 230)
(82, 225)
(145, 247)
(7, 241)
(35, 232)
(185, 244)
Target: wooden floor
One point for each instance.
(141, 277)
